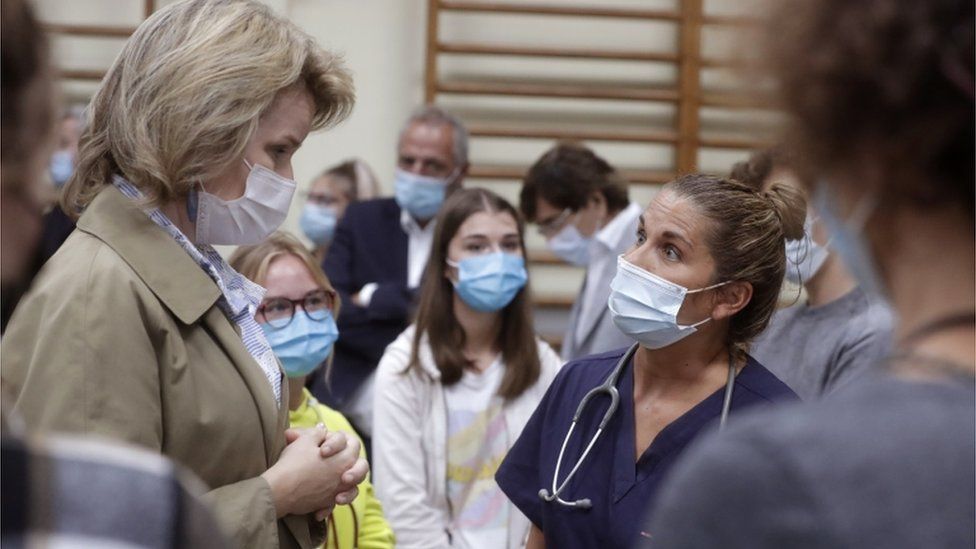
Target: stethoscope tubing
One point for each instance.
(609, 388)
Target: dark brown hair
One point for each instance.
(26, 99)
(435, 313)
(761, 164)
(887, 83)
(567, 175)
(746, 236)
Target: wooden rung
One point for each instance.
(719, 142)
(525, 51)
(97, 31)
(546, 258)
(553, 301)
(732, 20)
(737, 101)
(572, 11)
(81, 74)
(488, 171)
(554, 89)
(581, 134)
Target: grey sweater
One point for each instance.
(885, 463)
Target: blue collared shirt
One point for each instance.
(239, 299)
(620, 488)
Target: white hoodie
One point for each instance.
(410, 444)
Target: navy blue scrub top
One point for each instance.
(620, 490)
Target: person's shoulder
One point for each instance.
(582, 374)
(870, 316)
(85, 263)
(396, 357)
(763, 383)
(370, 210)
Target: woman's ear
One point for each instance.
(731, 298)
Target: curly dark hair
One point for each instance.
(887, 82)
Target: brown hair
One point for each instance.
(746, 236)
(187, 92)
(755, 171)
(26, 98)
(886, 83)
(253, 262)
(435, 312)
(567, 175)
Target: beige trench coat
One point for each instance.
(121, 336)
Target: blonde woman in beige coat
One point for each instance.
(137, 330)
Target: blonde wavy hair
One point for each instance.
(185, 95)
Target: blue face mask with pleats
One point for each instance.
(318, 223)
(420, 195)
(847, 239)
(303, 344)
(61, 166)
(489, 282)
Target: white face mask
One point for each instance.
(804, 257)
(571, 246)
(645, 306)
(249, 219)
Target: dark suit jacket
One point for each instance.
(370, 245)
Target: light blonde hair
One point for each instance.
(185, 95)
(254, 261)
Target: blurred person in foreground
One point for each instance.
(69, 490)
(328, 197)
(881, 95)
(137, 329)
(298, 317)
(838, 332)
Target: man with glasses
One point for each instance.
(581, 206)
(379, 254)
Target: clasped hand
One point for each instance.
(316, 471)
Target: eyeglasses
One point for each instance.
(552, 226)
(321, 199)
(278, 311)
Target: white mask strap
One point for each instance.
(706, 288)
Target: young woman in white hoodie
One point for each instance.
(454, 390)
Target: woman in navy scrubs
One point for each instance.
(699, 284)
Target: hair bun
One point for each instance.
(790, 206)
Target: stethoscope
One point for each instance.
(609, 387)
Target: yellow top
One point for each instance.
(365, 514)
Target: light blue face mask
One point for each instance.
(419, 195)
(303, 344)
(489, 282)
(318, 223)
(846, 239)
(804, 257)
(61, 167)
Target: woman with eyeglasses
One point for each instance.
(297, 316)
(328, 197)
(454, 390)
